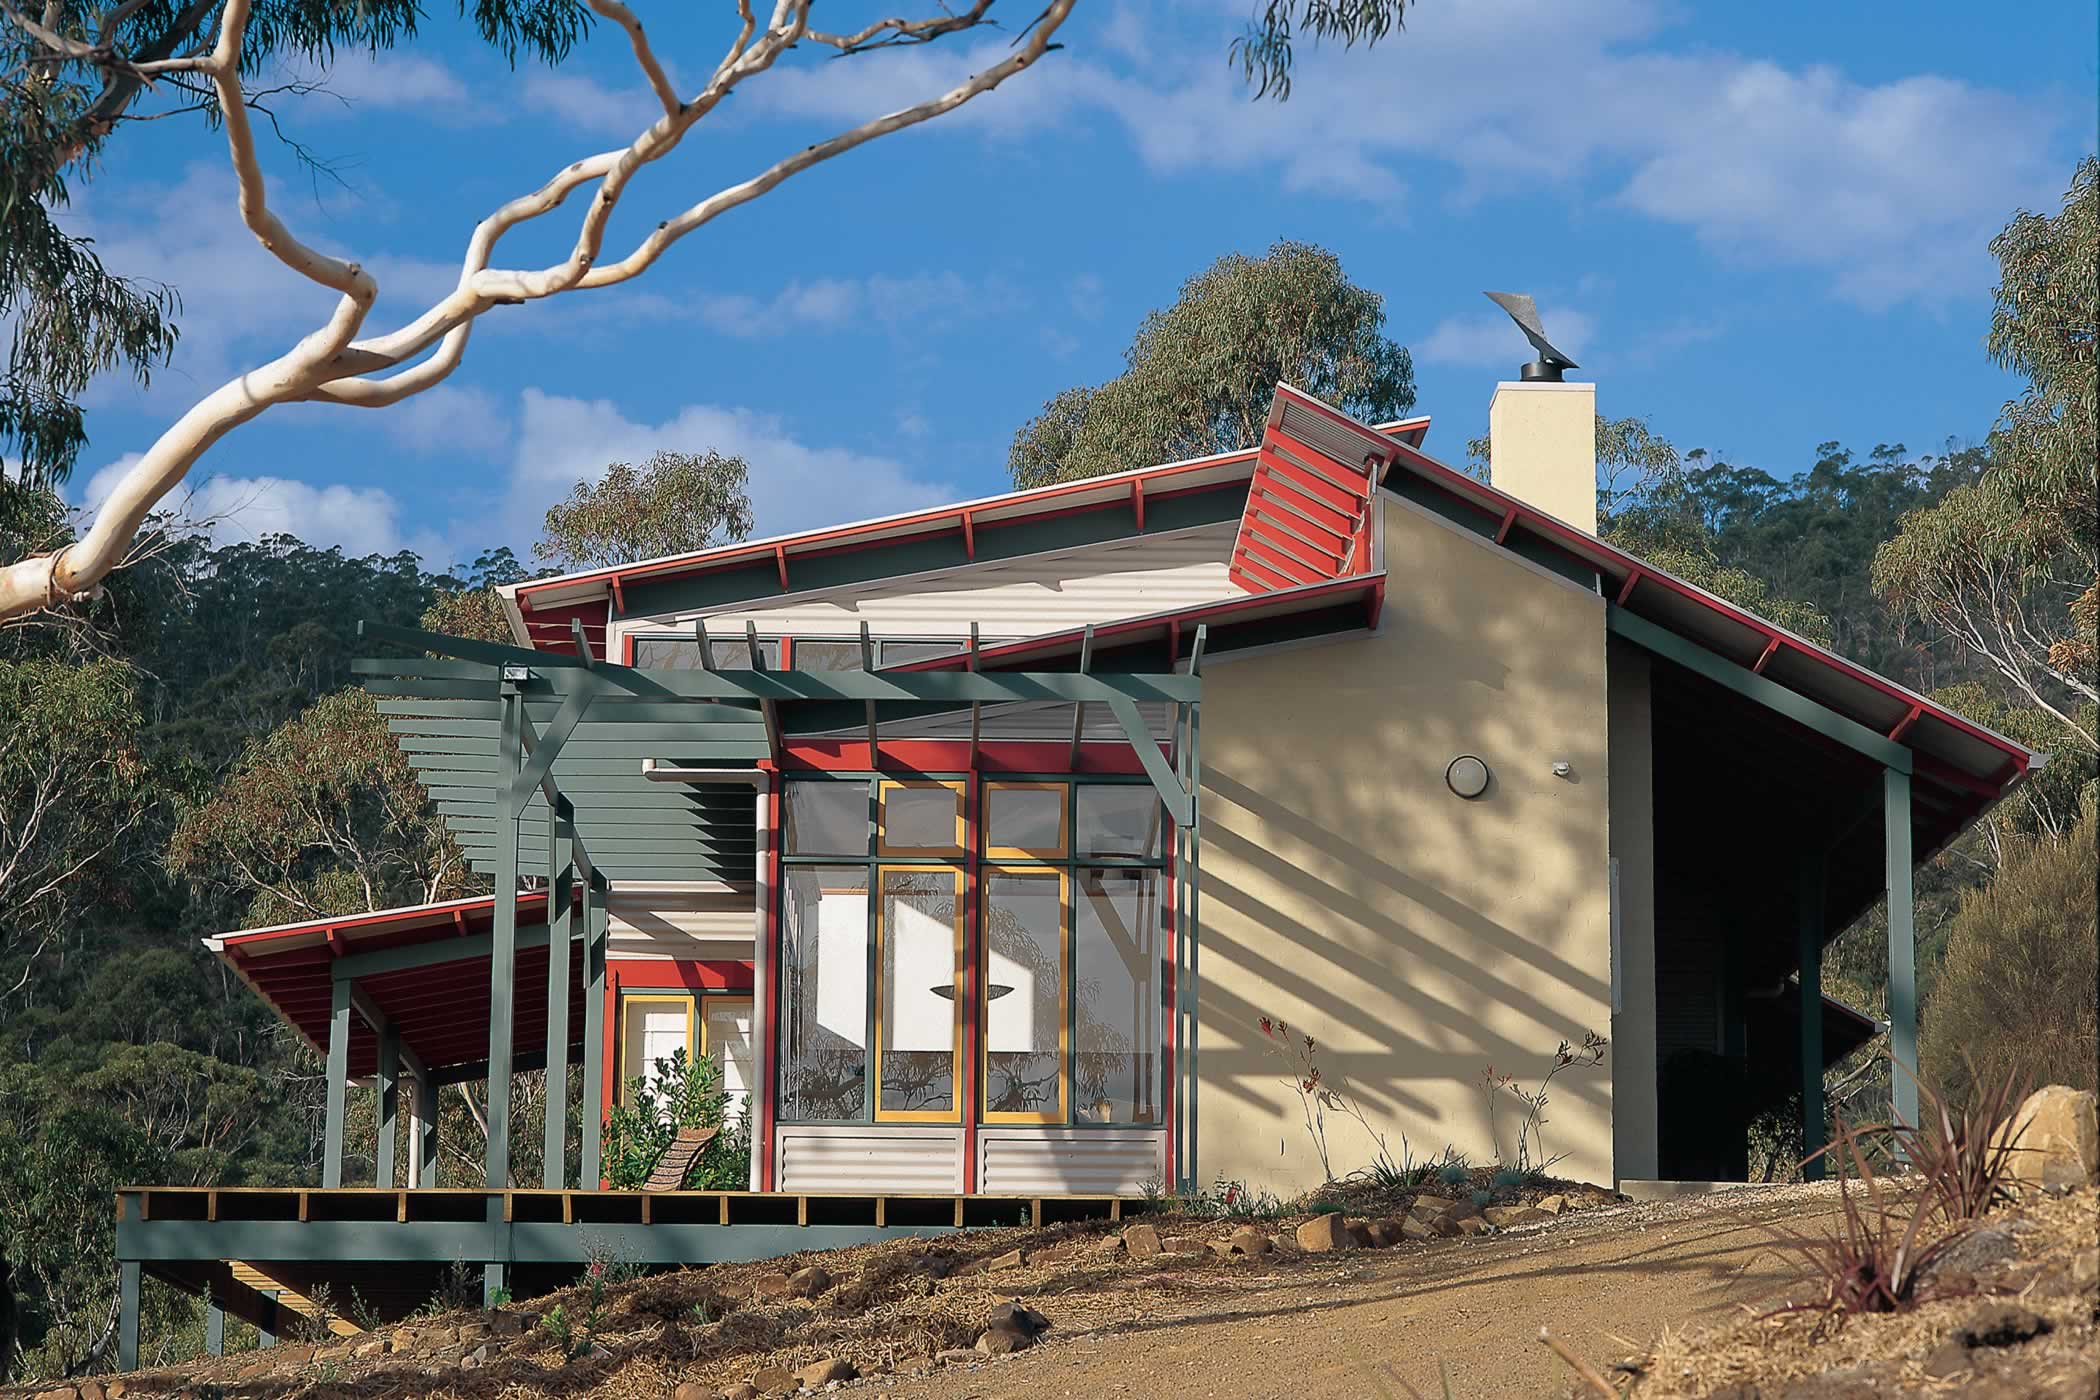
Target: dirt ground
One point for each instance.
(1607, 1282)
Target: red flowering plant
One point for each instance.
(1316, 1097)
(1531, 1157)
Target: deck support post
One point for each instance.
(503, 958)
(594, 928)
(386, 1105)
(422, 1130)
(1903, 948)
(214, 1329)
(266, 1336)
(338, 1076)
(1809, 932)
(128, 1315)
(561, 842)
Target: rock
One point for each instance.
(2001, 1325)
(953, 1355)
(1010, 1260)
(1222, 1248)
(1434, 1205)
(405, 1340)
(768, 1286)
(1250, 1241)
(334, 1353)
(1181, 1244)
(365, 1351)
(1322, 1233)
(1019, 1315)
(1428, 1227)
(808, 1283)
(1471, 1225)
(436, 1337)
(1141, 1240)
(1503, 1217)
(1386, 1232)
(1975, 1253)
(1001, 1338)
(822, 1373)
(1059, 1253)
(505, 1323)
(115, 1390)
(745, 1391)
(693, 1390)
(252, 1371)
(2055, 1137)
(775, 1380)
(1108, 1246)
(1948, 1360)
(93, 1390)
(2085, 1267)
(1553, 1205)
(66, 1393)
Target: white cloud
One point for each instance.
(585, 104)
(1492, 341)
(444, 421)
(921, 301)
(230, 508)
(392, 80)
(794, 483)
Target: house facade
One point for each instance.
(989, 848)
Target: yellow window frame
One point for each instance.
(885, 850)
(1064, 823)
(880, 985)
(629, 999)
(1064, 994)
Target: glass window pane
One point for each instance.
(683, 653)
(729, 1045)
(1121, 819)
(653, 1030)
(823, 992)
(1024, 994)
(826, 819)
(899, 653)
(920, 819)
(1025, 817)
(921, 967)
(826, 656)
(1119, 1024)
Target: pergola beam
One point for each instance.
(1086, 662)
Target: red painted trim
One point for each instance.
(1137, 501)
(1903, 725)
(1764, 658)
(1625, 589)
(1271, 580)
(1329, 542)
(1509, 518)
(780, 560)
(619, 597)
(969, 520)
(1325, 565)
(1377, 607)
(1173, 642)
(705, 976)
(413, 917)
(1338, 499)
(733, 555)
(953, 756)
(1258, 550)
(1297, 505)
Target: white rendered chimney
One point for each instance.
(1542, 448)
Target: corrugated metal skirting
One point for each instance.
(896, 1160)
(1070, 1161)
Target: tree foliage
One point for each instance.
(324, 816)
(2008, 566)
(1199, 376)
(676, 502)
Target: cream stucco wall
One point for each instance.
(1419, 937)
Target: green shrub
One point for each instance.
(686, 1094)
(2016, 995)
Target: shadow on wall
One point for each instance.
(1420, 937)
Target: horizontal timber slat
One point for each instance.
(729, 749)
(590, 730)
(605, 709)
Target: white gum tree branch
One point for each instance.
(331, 365)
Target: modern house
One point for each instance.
(977, 843)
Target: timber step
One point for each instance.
(290, 1297)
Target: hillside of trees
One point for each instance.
(187, 754)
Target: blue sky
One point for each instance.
(1759, 226)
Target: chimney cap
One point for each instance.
(1550, 364)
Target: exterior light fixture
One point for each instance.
(1467, 776)
(516, 675)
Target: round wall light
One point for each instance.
(1467, 776)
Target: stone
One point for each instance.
(115, 1390)
(1440, 1225)
(437, 1337)
(2085, 1267)
(1434, 1205)
(742, 1391)
(1976, 1252)
(367, 1350)
(1250, 1241)
(1503, 1217)
(2055, 1137)
(1108, 1246)
(2001, 1325)
(1141, 1240)
(827, 1371)
(1016, 1314)
(249, 1372)
(808, 1283)
(1471, 1225)
(775, 1380)
(93, 1390)
(693, 1390)
(1181, 1244)
(1386, 1232)
(952, 1355)
(65, 1393)
(1322, 1233)
(1012, 1259)
(1062, 1252)
(1002, 1338)
(768, 1286)
(1553, 1205)
(334, 1353)
(505, 1323)
(1948, 1360)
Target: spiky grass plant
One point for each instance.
(1964, 1162)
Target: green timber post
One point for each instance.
(423, 1133)
(503, 968)
(338, 1075)
(1182, 1085)
(594, 928)
(128, 1315)
(1903, 948)
(1195, 911)
(561, 887)
(214, 1328)
(1808, 929)
(386, 1105)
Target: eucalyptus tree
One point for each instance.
(94, 61)
(1199, 375)
(676, 502)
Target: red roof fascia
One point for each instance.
(1290, 507)
(550, 629)
(1589, 550)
